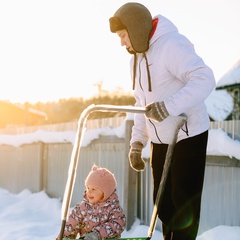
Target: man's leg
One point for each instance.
(187, 176)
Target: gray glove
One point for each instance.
(91, 236)
(135, 157)
(156, 111)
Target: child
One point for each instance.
(99, 215)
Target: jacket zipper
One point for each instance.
(155, 130)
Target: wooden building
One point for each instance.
(17, 115)
(231, 82)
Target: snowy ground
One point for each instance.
(35, 216)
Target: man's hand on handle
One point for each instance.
(156, 111)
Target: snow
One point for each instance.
(219, 143)
(35, 216)
(219, 105)
(231, 77)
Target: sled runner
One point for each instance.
(180, 120)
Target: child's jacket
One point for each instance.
(106, 218)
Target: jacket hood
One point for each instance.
(164, 26)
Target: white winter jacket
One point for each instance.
(179, 77)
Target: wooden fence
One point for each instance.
(232, 127)
(68, 126)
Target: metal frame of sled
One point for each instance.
(180, 120)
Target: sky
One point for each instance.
(55, 49)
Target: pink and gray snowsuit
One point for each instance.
(106, 218)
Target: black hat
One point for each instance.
(137, 20)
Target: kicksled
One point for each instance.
(180, 120)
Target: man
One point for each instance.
(169, 79)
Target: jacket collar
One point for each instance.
(162, 27)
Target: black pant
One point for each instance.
(180, 208)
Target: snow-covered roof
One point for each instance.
(31, 110)
(231, 77)
(219, 105)
(220, 102)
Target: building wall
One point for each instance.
(12, 115)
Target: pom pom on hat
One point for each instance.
(102, 179)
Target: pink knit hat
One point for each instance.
(102, 179)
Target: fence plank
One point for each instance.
(130, 181)
(21, 167)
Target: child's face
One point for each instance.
(94, 195)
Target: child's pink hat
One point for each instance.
(102, 179)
